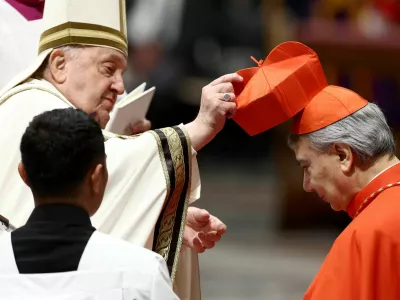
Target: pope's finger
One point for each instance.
(201, 235)
(200, 215)
(229, 108)
(141, 126)
(198, 246)
(227, 97)
(222, 229)
(233, 77)
(138, 123)
(208, 244)
(216, 225)
(214, 237)
(147, 124)
(225, 87)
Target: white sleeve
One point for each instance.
(195, 187)
(161, 288)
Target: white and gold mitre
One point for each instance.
(78, 22)
(84, 22)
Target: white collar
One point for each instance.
(383, 171)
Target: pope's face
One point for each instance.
(322, 174)
(94, 80)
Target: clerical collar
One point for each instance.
(389, 176)
(59, 213)
(383, 171)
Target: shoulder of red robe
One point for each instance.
(290, 83)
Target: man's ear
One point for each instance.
(345, 155)
(57, 66)
(97, 179)
(22, 173)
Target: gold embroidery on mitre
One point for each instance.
(83, 33)
(122, 17)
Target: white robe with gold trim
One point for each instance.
(136, 192)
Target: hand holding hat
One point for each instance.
(217, 104)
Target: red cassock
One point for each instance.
(364, 262)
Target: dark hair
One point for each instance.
(58, 149)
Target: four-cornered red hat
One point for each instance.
(291, 83)
(279, 88)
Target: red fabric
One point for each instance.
(364, 262)
(330, 105)
(291, 83)
(276, 91)
(378, 182)
(389, 8)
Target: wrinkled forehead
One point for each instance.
(108, 51)
(105, 51)
(98, 53)
(302, 148)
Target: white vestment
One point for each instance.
(145, 201)
(19, 39)
(124, 269)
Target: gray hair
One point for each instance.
(72, 50)
(365, 131)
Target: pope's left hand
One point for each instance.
(138, 127)
(141, 126)
(202, 230)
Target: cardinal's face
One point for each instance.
(323, 174)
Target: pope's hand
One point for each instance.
(202, 230)
(138, 127)
(141, 126)
(217, 104)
